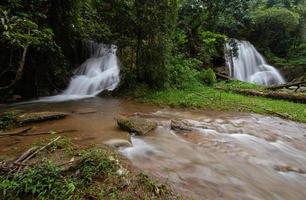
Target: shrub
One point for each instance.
(282, 25)
(182, 72)
(208, 77)
(7, 120)
(44, 182)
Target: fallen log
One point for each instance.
(287, 85)
(285, 116)
(49, 132)
(300, 98)
(223, 76)
(37, 117)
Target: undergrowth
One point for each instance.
(7, 120)
(97, 173)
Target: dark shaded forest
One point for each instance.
(162, 43)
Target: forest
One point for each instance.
(226, 77)
(41, 41)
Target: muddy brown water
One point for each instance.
(229, 156)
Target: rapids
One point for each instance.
(227, 155)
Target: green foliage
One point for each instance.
(43, 182)
(7, 120)
(155, 27)
(274, 29)
(208, 77)
(205, 97)
(235, 84)
(182, 72)
(151, 185)
(213, 45)
(97, 162)
(23, 32)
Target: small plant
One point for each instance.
(44, 182)
(97, 162)
(208, 77)
(152, 186)
(7, 120)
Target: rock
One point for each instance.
(136, 125)
(181, 125)
(289, 169)
(27, 118)
(117, 143)
(187, 125)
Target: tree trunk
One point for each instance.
(19, 71)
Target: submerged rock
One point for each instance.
(117, 143)
(27, 118)
(136, 125)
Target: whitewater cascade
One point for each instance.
(98, 73)
(250, 66)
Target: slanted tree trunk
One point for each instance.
(20, 69)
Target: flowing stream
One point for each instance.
(98, 73)
(226, 155)
(250, 66)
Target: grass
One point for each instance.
(97, 173)
(204, 97)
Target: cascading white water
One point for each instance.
(98, 73)
(250, 66)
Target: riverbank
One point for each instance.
(205, 97)
(56, 168)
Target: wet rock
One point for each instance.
(117, 143)
(290, 169)
(182, 125)
(35, 117)
(136, 125)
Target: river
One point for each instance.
(227, 155)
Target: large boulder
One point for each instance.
(137, 125)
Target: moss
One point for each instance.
(204, 97)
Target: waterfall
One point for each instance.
(98, 73)
(250, 66)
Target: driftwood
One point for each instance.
(25, 155)
(20, 163)
(25, 132)
(41, 149)
(301, 98)
(287, 85)
(17, 132)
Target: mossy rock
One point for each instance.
(36, 117)
(137, 125)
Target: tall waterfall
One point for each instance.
(250, 66)
(98, 73)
